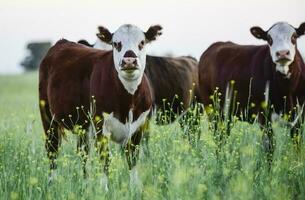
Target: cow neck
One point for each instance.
(129, 102)
(289, 84)
(130, 87)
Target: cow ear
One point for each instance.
(301, 30)
(85, 42)
(104, 35)
(259, 33)
(152, 33)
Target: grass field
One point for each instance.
(174, 170)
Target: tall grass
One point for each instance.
(175, 169)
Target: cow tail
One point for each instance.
(48, 120)
(44, 106)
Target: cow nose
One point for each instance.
(130, 54)
(130, 58)
(129, 61)
(282, 54)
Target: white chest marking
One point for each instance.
(283, 70)
(120, 132)
(131, 86)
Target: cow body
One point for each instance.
(174, 82)
(253, 73)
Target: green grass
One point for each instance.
(174, 170)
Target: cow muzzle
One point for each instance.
(129, 62)
(283, 57)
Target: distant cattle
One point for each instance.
(175, 84)
(79, 85)
(255, 81)
(174, 81)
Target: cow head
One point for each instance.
(129, 51)
(282, 40)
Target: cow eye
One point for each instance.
(294, 39)
(269, 40)
(141, 45)
(117, 46)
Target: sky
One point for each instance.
(189, 26)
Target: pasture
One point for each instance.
(175, 169)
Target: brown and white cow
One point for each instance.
(174, 80)
(258, 78)
(111, 85)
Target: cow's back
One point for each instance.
(170, 77)
(64, 80)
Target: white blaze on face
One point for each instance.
(129, 37)
(282, 48)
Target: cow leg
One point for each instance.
(228, 122)
(146, 136)
(218, 133)
(83, 149)
(296, 133)
(268, 140)
(213, 126)
(104, 155)
(270, 144)
(52, 133)
(132, 154)
(197, 116)
(52, 144)
(190, 123)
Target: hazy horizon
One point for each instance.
(189, 26)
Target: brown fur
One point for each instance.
(170, 77)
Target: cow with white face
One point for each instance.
(269, 77)
(129, 52)
(115, 79)
(282, 40)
